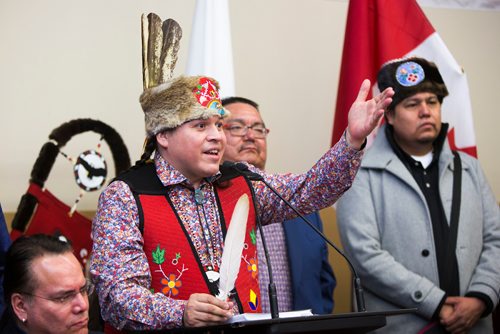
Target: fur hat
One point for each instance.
(180, 100)
(409, 76)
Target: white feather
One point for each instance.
(233, 247)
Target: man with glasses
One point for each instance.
(45, 288)
(299, 257)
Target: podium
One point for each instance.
(347, 323)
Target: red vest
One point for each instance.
(176, 270)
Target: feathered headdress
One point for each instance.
(166, 102)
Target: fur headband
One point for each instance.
(409, 76)
(180, 100)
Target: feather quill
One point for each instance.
(145, 42)
(172, 34)
(155, 43)
(233, 247)
(160, 45)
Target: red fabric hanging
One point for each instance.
(51, 216)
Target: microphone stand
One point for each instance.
(358, 290)
(273, 296)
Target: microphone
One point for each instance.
(242, 169)
(358, 290)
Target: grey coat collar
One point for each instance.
(381, 156)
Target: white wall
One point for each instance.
(63, 59)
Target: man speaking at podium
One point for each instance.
(159, 234)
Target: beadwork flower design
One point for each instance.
(170, 285)
(409, 74)
(171, 282)
(207, 95)
(252, 266)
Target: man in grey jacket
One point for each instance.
(395, 220)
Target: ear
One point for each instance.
(162, 139)
(20, 306)
(389, 116)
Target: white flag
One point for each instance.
(210, 49)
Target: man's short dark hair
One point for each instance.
(237, 99)
(20, 256)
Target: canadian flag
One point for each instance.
(381, 30)
(210, 48)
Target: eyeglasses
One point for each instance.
(259, 130)
(68, 297)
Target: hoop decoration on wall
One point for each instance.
(39, 211)
(90, 170)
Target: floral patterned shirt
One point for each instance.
(119, 266)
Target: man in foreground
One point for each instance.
(45, 289)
